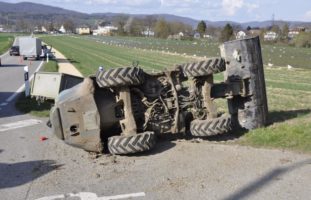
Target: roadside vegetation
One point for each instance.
(6, 41)
(29, 105)
(51, 66)
(289, 90)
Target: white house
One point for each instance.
(43, 29)
(1, 28)
(207, 36)
(148, 33)
(295, 31)
(197, 36)
(270, 36)
(62, 29)
(105, 29)
(240, 35)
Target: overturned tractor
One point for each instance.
(126, 108)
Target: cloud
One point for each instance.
(251, 6)
(122, 2)
(231, 6)
(308, 15)
(178, 3)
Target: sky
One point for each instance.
(213, 10)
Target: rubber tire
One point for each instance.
(131, 144)
(210, 127)
(205, 67)
(120, 77)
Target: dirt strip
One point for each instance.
(64, 64)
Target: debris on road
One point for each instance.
(43, 138)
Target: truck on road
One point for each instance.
(30, 47)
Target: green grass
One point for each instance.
(51, 66)
(278, 55)
(31, 106)
(295, 137)
(6, 41)
(87, 55)
(289, 91)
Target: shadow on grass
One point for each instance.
(30, 105)
(61, 60)
(282, 116)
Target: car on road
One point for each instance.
(14, 51)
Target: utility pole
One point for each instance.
(272, 19)
(7, 22)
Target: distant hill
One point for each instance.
(34, 8)
(11, 12)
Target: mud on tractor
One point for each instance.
(126, 108)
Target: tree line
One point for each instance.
(159, 27)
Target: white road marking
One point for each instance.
(123, 196)
(21, 88)
(19, 124)
(4, 104)
(92, 196)
(4, 54)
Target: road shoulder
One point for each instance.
(64, 65)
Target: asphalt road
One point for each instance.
(32, 168)
(12, 80)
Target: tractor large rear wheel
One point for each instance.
(210, 127)
(120, 77)
(205, 67)
(131, 144)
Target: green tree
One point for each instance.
(201, 28)
(69, 26)
(120, 22)
(226, 33)
(162, 29)
(149, 22)
(51, 26)
(136, 27)
(285, 30)
(303, 40)
(177, 27)
(22, 25)
(275, 28)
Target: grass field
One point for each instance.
(278, 55)
(289, 91)
(6, 41)
(87, 55)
